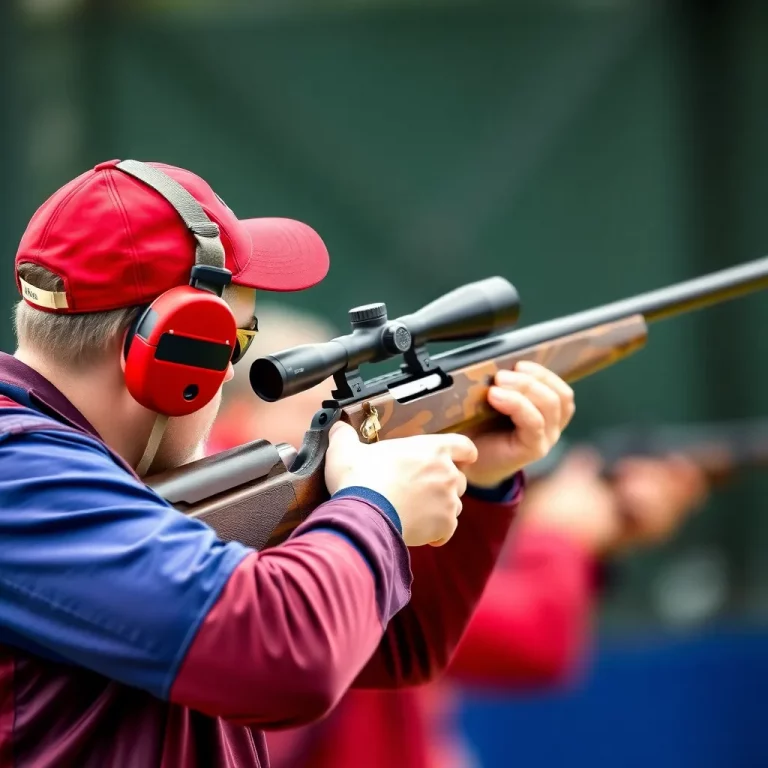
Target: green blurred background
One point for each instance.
(585, 149)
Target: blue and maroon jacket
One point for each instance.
(130, 635)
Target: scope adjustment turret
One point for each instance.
(368, 314)
(396, 338)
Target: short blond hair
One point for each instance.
(78, 339)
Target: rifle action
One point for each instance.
(259, 493)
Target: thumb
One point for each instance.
(343, 435)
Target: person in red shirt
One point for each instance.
(531, 628)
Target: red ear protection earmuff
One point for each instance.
(177, 353)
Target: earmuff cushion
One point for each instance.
(143, 316)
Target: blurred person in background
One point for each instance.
(532, 627)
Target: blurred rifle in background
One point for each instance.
(259, 493)
(722, 449)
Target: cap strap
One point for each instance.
(43, 298)
(210, 250)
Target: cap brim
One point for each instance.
(286, 255)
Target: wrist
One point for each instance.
(376, 499)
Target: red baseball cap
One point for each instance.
(116, 242)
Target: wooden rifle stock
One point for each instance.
(464, 405)
(255, 494)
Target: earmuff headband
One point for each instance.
(209, 272)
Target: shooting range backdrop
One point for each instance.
(587, 151)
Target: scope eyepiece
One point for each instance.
(295, 370)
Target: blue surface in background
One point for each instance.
(656, 703)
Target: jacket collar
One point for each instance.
(28, 387)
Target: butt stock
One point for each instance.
(245, 494)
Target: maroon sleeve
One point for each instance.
(447, 584)
(532, 625)
(295, 624)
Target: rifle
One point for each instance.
(259, 493)
(720, 449)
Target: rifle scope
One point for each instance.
(472, 311)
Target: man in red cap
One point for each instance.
(130, 635)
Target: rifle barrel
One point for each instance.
(687, 296)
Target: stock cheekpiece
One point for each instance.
(178, 356)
